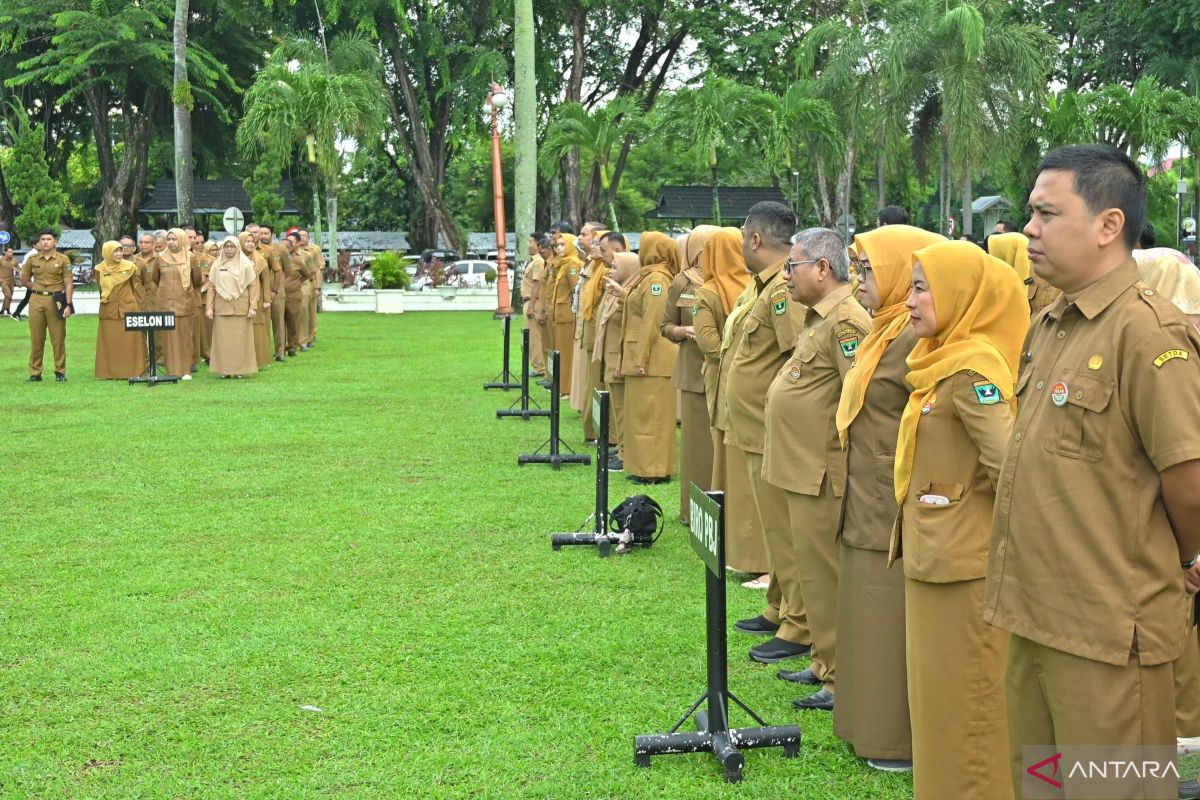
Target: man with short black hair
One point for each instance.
(47, 276)
(1005, 226)
(8, 271)
(764, 333)
(295, 272)
(275, 254)
(891, 215)
(1097, 519)
(1148, 237)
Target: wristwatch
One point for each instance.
(1192, 563)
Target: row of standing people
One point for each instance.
(981, 532)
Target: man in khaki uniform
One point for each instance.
(1098, 500)
(765, 336)
(45, 274)
(531, 284)
(295, 272)
(316, 262)
(803, 454)
(8, 269)
(201, 325)
(275, 254)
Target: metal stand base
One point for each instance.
(524, 401)
(154, 378)
(505, 380)
(554, 457)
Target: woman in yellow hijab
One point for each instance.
(646, 362)
(1013, 249)
(586, 377)
(262, 320)
(872, 692)
(971, 314)
(567, 269)
(120, 354)
(232, 303)
(610, 316)
(696, 451)
(177, 278)
(724, 276)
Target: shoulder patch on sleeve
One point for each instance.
(848, 339)
(1169, 355)
(779, 306)
(656, 289)
(986, 393)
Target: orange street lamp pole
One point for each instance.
(497, 100)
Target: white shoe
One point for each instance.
(1187, 746)
(186, 378)
(761, 582)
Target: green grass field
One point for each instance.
(185, 568)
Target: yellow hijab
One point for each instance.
(889, 251)
(724, 270)
(1171, 274)
(231, 276)
(113, 273)
(658, 250)
(569, 259)
(694, 244)
(593, 290)
(625, 269)
(1012, 249)
(982, 316)
(182, 260)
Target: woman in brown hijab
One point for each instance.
(647, 360)
(119, 353)
(725, 279)
(262, 320)
(610, 316)
(696, 453)
(232, 305)
(590, 295)
(177, 279)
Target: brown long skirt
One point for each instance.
(696, 449)
(871, 712)
(564, 343)
(616, 396)
(177, 346)
(649, 433)
(593, 382)
(580, 363)
(119, 353)
(233, 346)
(262, 337)
(956, 693)
(745, 550)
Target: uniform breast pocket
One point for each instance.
(1081, 429)
(796, 367)
(1022, 381)
(939, 496)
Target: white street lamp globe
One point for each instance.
(500, 99)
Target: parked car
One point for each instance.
(473, 274)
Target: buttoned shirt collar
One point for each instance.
(830, 301)
(766, 276)
(1101, 294)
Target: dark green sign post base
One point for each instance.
(713, 734)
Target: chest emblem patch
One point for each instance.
(1059, 394)
(656, 289)
(1096, 362)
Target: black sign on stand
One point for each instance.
(505, 380)
(524, 412)
(151, 321)
(555, 458)
(600, 536)
(713, 734)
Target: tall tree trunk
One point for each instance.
(182, 99)
(944, 188)
(525, 122)
(331, 208)
(716, 194)
(881, 180)
(968, 214)
(825, 211)
(574, 210)
(845, 180)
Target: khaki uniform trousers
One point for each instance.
(1187, 688)
(7, 289)
(279, 322)
(814, 521)
(956, 693)
(594, 381)
(44, 318)
(1061, 700)
(304, 320)
(314, 297)
(616, 397)
(537, 349)
(785, 603)
(745, 550)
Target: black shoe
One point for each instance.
(759, 626)
(291, 353)
(641, 481)
(804, 676)
(777, 649)
(15, 317)
(1189, 790)
(280, 359)
(195, 369)
(616, 465)
(822, 700)
(60, 377)
(35, 378)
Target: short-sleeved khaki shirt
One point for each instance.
(768, 334)
(48, 271)
(802, 445)
(1083, 558)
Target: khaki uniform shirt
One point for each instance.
(1041, 295)
(643, 344)
(1083, 556)
(869, 506)
(677, 313)
(48, 271)
(768, 334)
(708, 317)
(563, 291)
(531, 278)
(801, 439)
(295, 271)
(961, 441)
(8, 267)
(613, 345)
(124, 298)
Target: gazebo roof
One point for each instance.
(212, 197)
(696, 202)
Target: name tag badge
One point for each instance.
(934, 500)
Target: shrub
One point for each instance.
(490, 276)
(389, 272)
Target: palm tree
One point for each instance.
(1137, 120)
(326, 100)
(596, 134)
(796, 127)
(716, 115)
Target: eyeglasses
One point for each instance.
(789, 266)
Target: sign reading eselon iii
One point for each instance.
(150, 321)
(707, 525)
